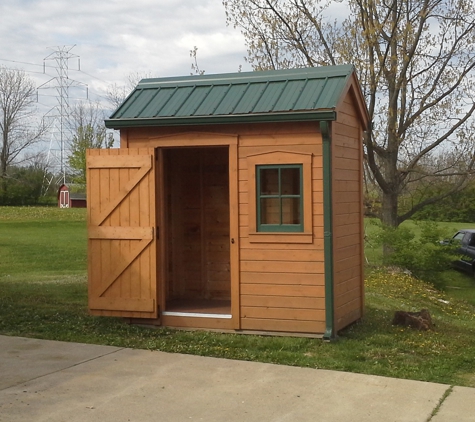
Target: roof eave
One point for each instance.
(328, 115)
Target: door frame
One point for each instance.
(196, 140)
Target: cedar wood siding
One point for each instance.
(347, 214)
(281, 284)
(136, 212)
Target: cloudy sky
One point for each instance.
(114, 38)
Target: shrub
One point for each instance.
(422, 254)
(23, 186)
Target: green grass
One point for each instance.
(456, 284)
(51, 302)
(42, 242)
(459, 286)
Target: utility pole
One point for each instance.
(61, 135)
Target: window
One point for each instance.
(457, 239)
(279, 198)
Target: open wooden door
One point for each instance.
(122, 250)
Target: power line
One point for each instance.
(102, 94)
(16, 61)
(30, 64)
(47, 66)
(27, 71)
(88, 74)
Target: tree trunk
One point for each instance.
(389, 218)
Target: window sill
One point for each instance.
(280, 237)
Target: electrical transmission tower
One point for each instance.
(61, 136)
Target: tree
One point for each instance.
(84, 113)
(24, 185)
(116, 94)
(415, 60)
(86, 137)
(18, 128)
(24, 182)
(87, 121)
(195, 69)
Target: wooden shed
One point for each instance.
(70, 199)
(233, 203)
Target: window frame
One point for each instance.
(281, 159)
(281, 227)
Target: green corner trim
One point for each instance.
(330, 333)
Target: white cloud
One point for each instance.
(115, 38)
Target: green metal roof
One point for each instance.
(266, 96)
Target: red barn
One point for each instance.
(68, 199)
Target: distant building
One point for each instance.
(68, 199)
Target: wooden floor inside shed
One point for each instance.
(199, 306)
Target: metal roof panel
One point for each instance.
(141, 102)
(213, 100)
(231, 99)
(329, 95)
(270, 96)
(290, 95)
(157, 102)
(274, 93)
(310, 94)
(124, 107)
(250, 98)
(193, 101)
(178, 97)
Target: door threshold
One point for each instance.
(197, 315)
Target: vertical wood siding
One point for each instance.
(121, 221)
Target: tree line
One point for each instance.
(25, 178)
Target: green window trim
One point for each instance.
(279, 198)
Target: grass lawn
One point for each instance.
(42, 242)
(48, 298)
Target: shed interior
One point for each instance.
(197, 250)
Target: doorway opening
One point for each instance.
(198, 280)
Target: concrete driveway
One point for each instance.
(55, 381)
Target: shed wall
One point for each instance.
(281, 284)
(347, 215)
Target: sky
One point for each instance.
(109, 40)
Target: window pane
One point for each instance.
(269, 181)
(291, 211)
(270, 211)
(290, 181)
